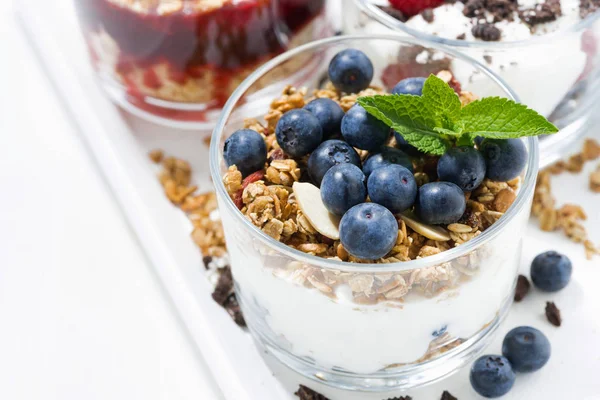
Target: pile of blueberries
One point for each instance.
(368, 230)
(524, 349)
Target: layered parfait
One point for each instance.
(181, 59)
(546, 50)
(360, 202)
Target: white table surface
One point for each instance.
(81, 313)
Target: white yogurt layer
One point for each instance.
(335, 331)
(540, 73)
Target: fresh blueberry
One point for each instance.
(409, 86)
(393, 187)
(504, 158)
(386, 156)
(246, 150)
(329, 113)
(464, 166)
(350, 71)
(368, 231)
(403, 145)
(328, 154)
(362, 130)
(298, 132)
(492, 376)
(342, 188)
(526, 348)
(440, 203)
(551, 271)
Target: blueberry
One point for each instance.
(328, 154)
(403, 145)
(298, 132)
(342, 188)
(551, 271)
(368, 231)
(362, 130)
(464, 166)
(492, 376)
(440, 203)
(526, 348)
(409, 86)
(246, 150)
(393, 187)
(329, 113)
(350, 71)
(386, 156)
(504, 158)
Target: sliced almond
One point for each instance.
(429, 231)
(309, 200)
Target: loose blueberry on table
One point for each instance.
(417, 159)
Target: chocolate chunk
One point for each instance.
(473, 8)
(470, 218)
(392, 12)
(522, 289)
(553, 313)
(207, 260)
(233, 308)
(447, 396)
(501, 9)
(547, 11)
(486, 32)
(587, 7)
(427, 15)
(306, 393)
(401, 398)
(224, 286)
(487, 58)
(462, 36)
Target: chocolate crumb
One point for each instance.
(447, 396)
(470, 218)
(233, 308)
(553, 314)
(522, 289)
(473, 8)
(428, 15)
(587, 7)
(486, 32)
(462, 36)
(401, 398)
(207, 260)
(392, 12)
(547, 11)
(487, 58)
(224, 286)
(501, 9)
(306, 393)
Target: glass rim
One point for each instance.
(371, 9)
(525, 191)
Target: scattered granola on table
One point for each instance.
(201, 209)
(568, 217)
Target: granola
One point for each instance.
(567, 218)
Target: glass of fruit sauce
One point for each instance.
(177, 61)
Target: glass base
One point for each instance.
(399, 378)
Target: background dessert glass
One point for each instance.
(557, 74)
(176, 62)
(368, 326)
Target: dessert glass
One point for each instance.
(330, 320)
(176, 62)
(557, 74)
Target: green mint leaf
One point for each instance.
(441, 100)
(410, 117)
(499, 118)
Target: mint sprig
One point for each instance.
(436, 120)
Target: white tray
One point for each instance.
(120, 143)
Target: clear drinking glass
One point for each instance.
(176, 62)
(369, 326)
(557, 74)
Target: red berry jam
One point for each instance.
(190, 51)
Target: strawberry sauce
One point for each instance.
(202, 50)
